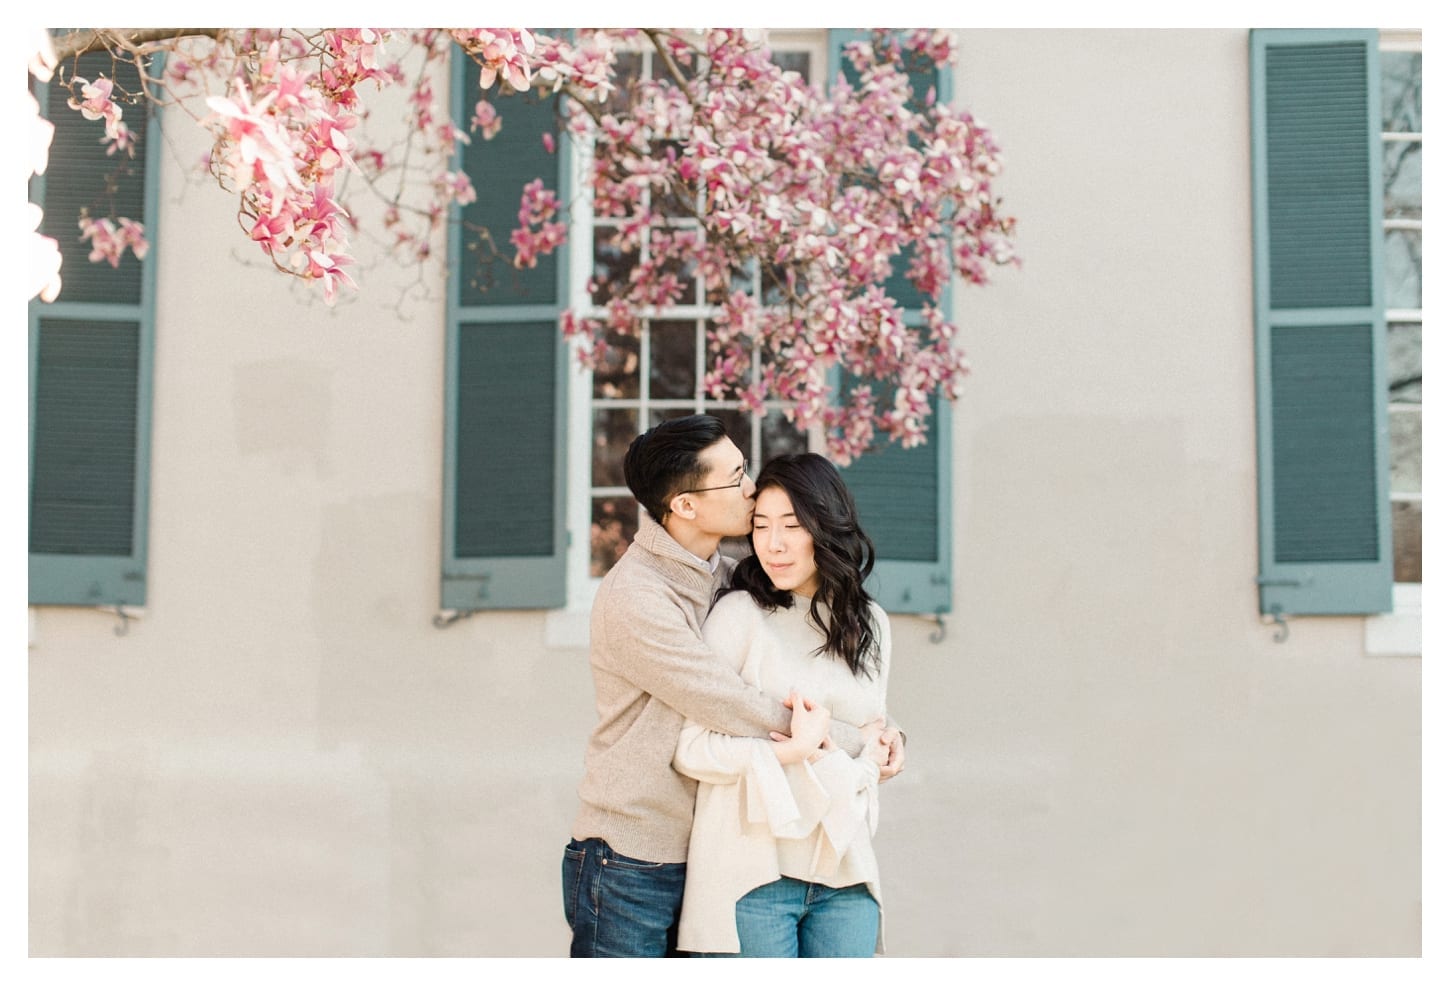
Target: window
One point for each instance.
(1325, 543)
(1402, 139)
(643, 381)
(90, 365)
(903, 494)
(534, 446)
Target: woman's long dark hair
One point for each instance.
(844, 557)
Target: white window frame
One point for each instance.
(1399, 633)
(569, 627)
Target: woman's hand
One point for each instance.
(810, 726)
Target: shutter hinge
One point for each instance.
(940, 633)
(445, 619)
(124, 626)
(1281, 625)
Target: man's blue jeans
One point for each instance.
(790, 918)
(620, 907)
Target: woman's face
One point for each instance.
(784, 548)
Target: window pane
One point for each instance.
(713, 354)
(772, 286)
(660, 414)
(672, 360)
(628, 66)
(611, 263)
(1402, 268)
(779, 437)
(614, 429)
(1405, 516)
(737, 427)
(1404, 362)
(677, 203)
(1400, 71)
(793, 61)
(617, 374)
(1405, 450)
(741, 279)
(1402, 180)
(612, 526)
(670, 260)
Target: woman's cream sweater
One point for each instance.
(756, 820)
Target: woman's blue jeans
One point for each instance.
(790, 918)
(619, 907)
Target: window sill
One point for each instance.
(1396, 634)
(123, 615)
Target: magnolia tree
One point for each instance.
(720, 167)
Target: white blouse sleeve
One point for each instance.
(851, 783)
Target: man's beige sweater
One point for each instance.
(652, 670)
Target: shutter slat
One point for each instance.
(499, 169)
(1318, 176)
(82, 498)
(1325, 503)
(80, 176)
(506, 430)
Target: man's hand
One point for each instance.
(810, 725)
(896, 757)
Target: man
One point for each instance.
(624, 868)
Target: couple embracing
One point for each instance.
(729, 793)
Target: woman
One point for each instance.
(780, 859)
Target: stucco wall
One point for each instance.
(1109, 755)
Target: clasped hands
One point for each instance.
(810, 738)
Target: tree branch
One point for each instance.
(671, 65)
(76, 43)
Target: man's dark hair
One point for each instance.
(666, 460)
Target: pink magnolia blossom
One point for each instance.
(123, 141)
(722, 170)
(501, 53)
(829, 191)
(95, 102)
(457, 186)
(110, 240)
(486, 119)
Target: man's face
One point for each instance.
(725, 497)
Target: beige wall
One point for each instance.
(1109, 753)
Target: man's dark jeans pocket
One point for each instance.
(618, 905)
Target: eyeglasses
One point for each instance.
(744, 471)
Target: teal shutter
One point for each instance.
(904, 495)
(504, 538)
(91, 364)
(1319, 327)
